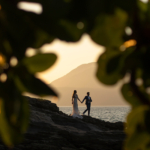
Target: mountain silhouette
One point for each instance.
(83, 80)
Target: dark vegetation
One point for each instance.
(123, 27)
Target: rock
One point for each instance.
(51, 129)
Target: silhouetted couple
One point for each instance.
(87, 99)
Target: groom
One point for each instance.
(88, 103)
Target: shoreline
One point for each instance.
(96, 106)
(51, 129)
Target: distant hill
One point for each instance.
(82, 76)
(83, 80)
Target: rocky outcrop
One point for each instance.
(51, 129)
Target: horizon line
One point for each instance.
(98, 106)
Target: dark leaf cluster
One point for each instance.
(123, 27)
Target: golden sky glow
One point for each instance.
(70, 56)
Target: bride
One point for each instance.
(75, 111)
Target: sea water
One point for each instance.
(111, 114)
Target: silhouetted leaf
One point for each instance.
(129, 95)
(28, 83)
(39, 62)
(41, 37)
(137, 137)
(109, 29)
(133, 120)
(113, 64)
(127, 5)
(14, 114)
(17, 29)
(105, 76)
(138, 140)
(147, 120)
(54, 13)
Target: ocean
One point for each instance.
(111, 114)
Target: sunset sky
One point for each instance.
(70, 56)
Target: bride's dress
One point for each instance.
(75, 111)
